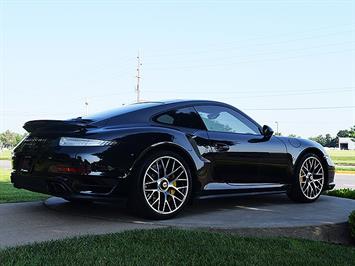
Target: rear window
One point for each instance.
(184, 117)
(119, 111)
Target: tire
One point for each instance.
(161, 187)
(309, 179)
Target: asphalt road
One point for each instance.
(345, 181)
(5, 164)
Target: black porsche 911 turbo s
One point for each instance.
(159, 155)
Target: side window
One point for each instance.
(223, 119)
(184, 117)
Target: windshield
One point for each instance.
(119, 111)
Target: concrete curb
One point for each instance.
(345, 172)
(332, 233)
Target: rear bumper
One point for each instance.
(69, 187)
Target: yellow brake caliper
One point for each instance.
(172, 191)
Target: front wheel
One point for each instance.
(309, 179)
(162, 187)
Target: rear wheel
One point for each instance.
(309, 179)
(162, 187)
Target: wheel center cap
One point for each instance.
(164, 185)
(310, 176)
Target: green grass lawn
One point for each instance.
(346, 169)
(344, 160)
(5, 155)
(342, 157)
(10, 194)
(342, 193)
(178, 247)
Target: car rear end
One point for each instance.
(62, 158)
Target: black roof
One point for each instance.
(190, 101)
(142, 112)
(182, 102)
(145, 109)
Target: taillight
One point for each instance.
(69, 169)
(66, 141)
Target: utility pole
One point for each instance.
(277, 127)
(138, 78)
(86, 106)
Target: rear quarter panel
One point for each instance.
(136, 142)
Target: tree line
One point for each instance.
(332, 142)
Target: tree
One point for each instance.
(352, 132)
(320, 139)
(329, 141)
(343, 133)
(10, 139)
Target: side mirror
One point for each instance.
(267, 131)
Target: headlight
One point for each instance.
(66, 141)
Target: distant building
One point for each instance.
(347, 143)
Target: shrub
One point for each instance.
(349, 194)
(352, 224)
(342, 193)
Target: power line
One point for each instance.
(251, 61)
(301, 108)
(209, 50)
(265, 53)
(293, 94)
(248, 91)
(246, 94)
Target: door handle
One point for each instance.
(221, 147)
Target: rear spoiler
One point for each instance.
(56, 126)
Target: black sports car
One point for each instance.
(159, 155)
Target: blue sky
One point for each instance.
(256, 55)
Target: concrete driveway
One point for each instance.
(22, 223)
(263, 215)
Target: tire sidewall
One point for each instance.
(137, 194)
(296, 190)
